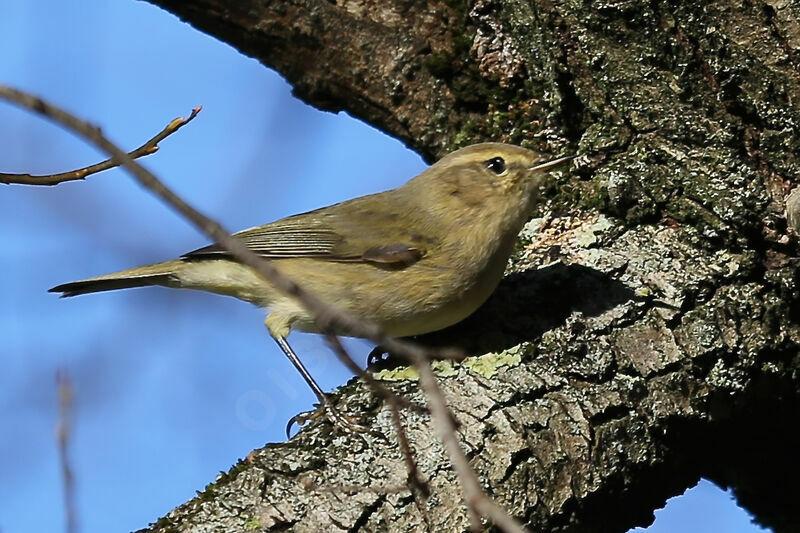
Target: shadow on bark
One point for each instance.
(526, 305)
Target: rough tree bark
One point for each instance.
(649, 335)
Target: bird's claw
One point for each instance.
(340, 422)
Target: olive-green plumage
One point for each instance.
(414, 259)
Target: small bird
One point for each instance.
(414, 259)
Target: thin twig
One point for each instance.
(395, 402)
(477, 501)
(150, 147)
(63, 431)
(385, 393)
(328, 317)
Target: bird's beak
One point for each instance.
(542, 167)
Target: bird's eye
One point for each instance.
(496, 165)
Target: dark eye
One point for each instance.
(496, 165)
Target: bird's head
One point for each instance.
(491, 181)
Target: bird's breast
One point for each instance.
(454, 285)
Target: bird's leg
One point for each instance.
(338, 420)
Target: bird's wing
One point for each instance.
(351, 231)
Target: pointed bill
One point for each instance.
(542, 167)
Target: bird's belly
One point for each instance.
(443, 313)
(398, 316)
(413, 301)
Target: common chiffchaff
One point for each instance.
(413, 259)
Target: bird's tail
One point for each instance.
(156, 274)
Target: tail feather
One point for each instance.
(76, 288)
(157, 274)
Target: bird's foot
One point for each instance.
(341, 422)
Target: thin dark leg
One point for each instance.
(302, 369)
(338, 420)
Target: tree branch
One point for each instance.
(600, 398)
(63, 434)
(150, 147)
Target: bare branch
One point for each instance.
(395, 404)
(373, 383)
(328, 317)
(150, 147)
(63, 431)
(444, 423)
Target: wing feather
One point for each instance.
(350, 231)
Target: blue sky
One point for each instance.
(171, 386)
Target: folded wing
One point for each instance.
(351, 231)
